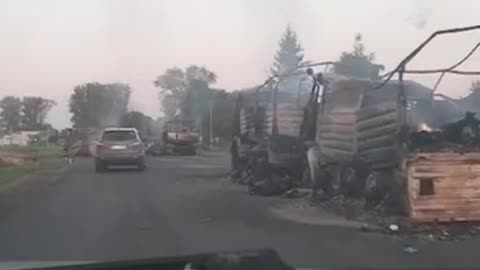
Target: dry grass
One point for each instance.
(48, 159)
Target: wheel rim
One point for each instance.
(371, 184)
(349, 178)
(336, 182)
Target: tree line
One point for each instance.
(26, 113)
(97, 105)
(188, 94)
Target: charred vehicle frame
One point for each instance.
(367, 141)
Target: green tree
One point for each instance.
(187, 94)
(358, 63)
(181, 89)
(34, 112)
(138, 120)
(286, 59)
(10, 114)
(290, 53)
(99, 105)
(172, 86)
(169, 105)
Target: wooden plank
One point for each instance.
(456, 188)
(337, 118)
(376, 142)
(377, 122)
(338, 145)
(341, 129)
(390, 129)
(378, 110)
(445, 156)
(331, 151)
(348, 138)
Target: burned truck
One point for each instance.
(394, 142)
(271, 122)
(181, 136)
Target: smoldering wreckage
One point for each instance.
(392, 146)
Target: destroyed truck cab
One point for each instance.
(294, 115)
(269, 124)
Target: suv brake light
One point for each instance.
(136, 145)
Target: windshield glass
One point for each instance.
(119, 135)
(340, 133)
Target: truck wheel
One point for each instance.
(343, 180)
(100, 166)
(349, 181)
(353, 181)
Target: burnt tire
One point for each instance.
(353, 181)
(306, 176)
(335, 183)
(376, 188)
(343, 180)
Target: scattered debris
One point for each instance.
(296, 193)
(445, 232)
(372, 228)
(393, 227)
(409, 249)
(268, 187)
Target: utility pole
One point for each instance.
(211, 123)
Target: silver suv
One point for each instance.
(119, 146)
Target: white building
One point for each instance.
(21, 138)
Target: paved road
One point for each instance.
(180, 205)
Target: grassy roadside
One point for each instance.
(48, 161)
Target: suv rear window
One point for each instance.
(119, 135)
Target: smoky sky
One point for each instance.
(47, 47)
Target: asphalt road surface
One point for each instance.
(181, 205)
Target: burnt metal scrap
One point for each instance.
(270, 130)
(401, 68)
(462, 135)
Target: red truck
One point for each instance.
(181, 136)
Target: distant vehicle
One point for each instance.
(119, 146)
(181, 136)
